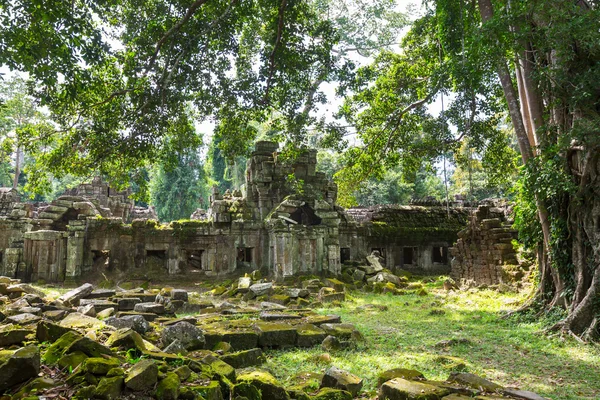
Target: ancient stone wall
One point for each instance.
(484, 252)
(284, 221)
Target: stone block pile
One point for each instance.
(484, 252)
(110, 344)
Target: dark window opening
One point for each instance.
(1, 256)
(306, 216)
(344, 254)
(162, 254)
(101, 258)
(194, 261)
(408, 255)
(244, 256)
(598, 223)
(440, 255)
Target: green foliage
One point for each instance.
(387, 107)
(176, 193)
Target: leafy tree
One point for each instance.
(17, 111)
(119, 82)
(176, 193)
(552, 98)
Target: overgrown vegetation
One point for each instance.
(413, 330)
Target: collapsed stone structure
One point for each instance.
(285, 221)
(484, 252)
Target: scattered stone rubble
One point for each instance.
(166, 344)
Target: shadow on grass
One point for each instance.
(408, 335)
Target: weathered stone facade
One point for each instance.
(484, 252)
(280, 225)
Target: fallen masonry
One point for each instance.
(217, 351)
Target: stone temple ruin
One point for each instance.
(270, 226)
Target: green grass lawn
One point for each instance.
(512, 352)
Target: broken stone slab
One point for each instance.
(245, 358)
(100, 294)
(385, 277)
(78, 320)
(260, 289)
(374, 262)
(126, 338)
(272, 334)
(10, 335)
(147, 316)
(19, 367)
(107, 312)
(331, 297)
(190, 336)
(267, 305)
(127, 303)
(473, 381)
(367, 269)
(319, 320)
(271, 316)
(176, 348)
(336, 284)
(294, 293)
(309, 335)
(239, 339)
(522, 394)
(88, 310)
(98, 304)
(408, 374)
(72, 297)
(269, 387)
(23, 319)
(402, 389)
(337, 378)
(358, 275)
(136, 322)
(25, 288)
(154, 308)
(47, 331)
(55, 315)
(244, 284)
(142, 375)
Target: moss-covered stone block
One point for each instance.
(209, 391)
(408, 374)
(72, 360)
(142, 375)
(402, 389)
(271, 334)
(309, 335)
(269, 387)
(332, 394)
(168, 387)
(100, 365)
(109, 388)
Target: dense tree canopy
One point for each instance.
(123, 80)
(471, 49)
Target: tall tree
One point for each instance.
(177, 192)
(17, 112)
(537, 61)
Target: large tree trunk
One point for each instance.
(526, 142)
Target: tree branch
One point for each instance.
(190, 12)
(277, 42)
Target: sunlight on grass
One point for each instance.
(511, 351)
